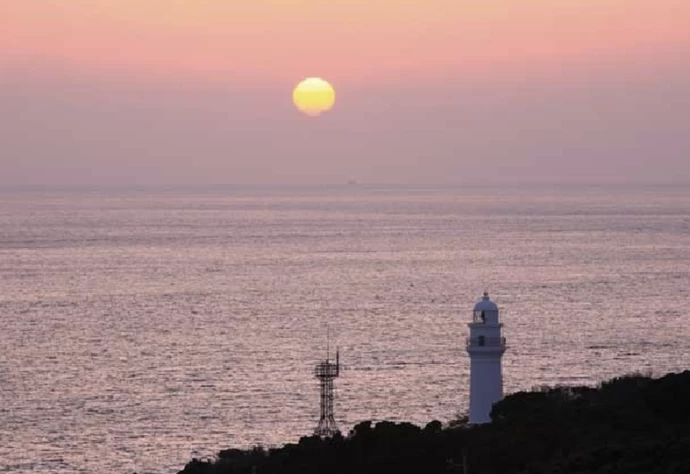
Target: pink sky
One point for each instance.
(439, 81)
(354, 40)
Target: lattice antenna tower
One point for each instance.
(326, 372)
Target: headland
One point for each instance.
(633, 424)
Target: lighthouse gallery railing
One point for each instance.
(481, 341)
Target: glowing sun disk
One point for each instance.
(313, 96)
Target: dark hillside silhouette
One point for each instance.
(629, 425)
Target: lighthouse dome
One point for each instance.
(485, 304)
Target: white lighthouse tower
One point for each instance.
(485, 346)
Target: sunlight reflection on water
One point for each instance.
(140, 330)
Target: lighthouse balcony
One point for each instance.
(487, 342)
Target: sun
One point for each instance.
(313, 96)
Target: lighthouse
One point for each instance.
(485, 346)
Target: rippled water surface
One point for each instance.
(140, 329)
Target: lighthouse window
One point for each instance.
(481, 340)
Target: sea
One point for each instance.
(144, 327)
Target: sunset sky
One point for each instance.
(434, 91)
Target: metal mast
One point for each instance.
(327, 371)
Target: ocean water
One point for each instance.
(141, 328)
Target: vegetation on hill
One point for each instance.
(631, 424)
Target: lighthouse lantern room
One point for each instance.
(485, 346)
